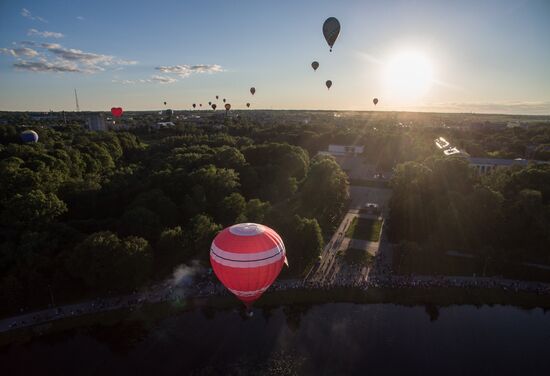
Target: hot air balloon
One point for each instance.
(217, 97)
(29, 136)
(194, 105)
(210, 103)
(200, 104)
(214, 106)
(328, 83)
(247, 258)
(331, 29)
(248, 105)
(252, 90)
(223, 100)
(116, 111)
(315, 65)
(375, 101)
(227, 107)
(165, 103)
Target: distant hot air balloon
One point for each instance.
(29, 136)
(331, 29)
(252, 90)
(200, 104)
(214, 106)
(248, 105)
(194, 105)
(223, 100)
(165, 103)
(227, 107)
(116, 111)
(315, 65)
(209, 103)
(328, 83)
(217, 97)
(247, 258)
(375, 101)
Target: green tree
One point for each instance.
(325, 183)
(172, 249)
(140, 222)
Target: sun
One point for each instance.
(408, 75)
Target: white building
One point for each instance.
(486, 165)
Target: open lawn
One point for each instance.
(364, 229)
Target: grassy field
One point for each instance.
(364, 229)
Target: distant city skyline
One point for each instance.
(447, 56)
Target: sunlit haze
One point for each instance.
(408, 77)
(467, 56)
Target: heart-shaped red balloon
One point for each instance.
(116, 111)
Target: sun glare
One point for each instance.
(408, 75)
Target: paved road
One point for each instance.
(332, 268)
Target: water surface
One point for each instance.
(326, 339)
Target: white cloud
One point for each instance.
(126, 82)
(46, 66)
(154, 79)
(186, 70)
(44, 34)
(53, 57)
(19, 52)
(163, 79)
(80, 18)
(27, 43)
(92, 61)
(27, 14)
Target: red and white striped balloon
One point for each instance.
(247, 258)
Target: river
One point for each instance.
(321, 339)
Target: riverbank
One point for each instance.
(155, 304)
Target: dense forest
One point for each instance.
(440, 205)
(86, 213)
(89, 213)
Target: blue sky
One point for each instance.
(483, 56)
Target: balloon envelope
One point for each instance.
(328, 83)
(248, 105)
(252, 90)
(375, 101)
(214, 106)
(116, 111)
(29, 136)
(165, 103)
(227, 107)
(315, 65)
(194, 105)
(209, 103)
(247, 258)
(331, 29)
(223, 100)
(217, 97)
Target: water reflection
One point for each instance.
(336, 338)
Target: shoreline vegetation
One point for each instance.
(421, 291)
